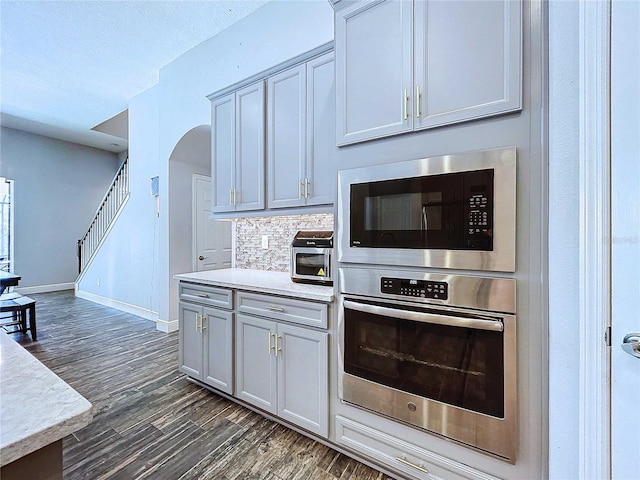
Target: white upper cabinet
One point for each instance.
(273, 138)
(223, 114)
(403, 65)
(373, 50)
(286, 137)
(300, 134)
(467, 60)
(237, 126)
(321, 131)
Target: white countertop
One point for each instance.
(277, 283)
(36, 406)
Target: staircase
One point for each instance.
(109, 209)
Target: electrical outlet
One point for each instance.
(98, 281)
(265, 242)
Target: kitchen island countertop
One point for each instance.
(277, 283)
(37, 407)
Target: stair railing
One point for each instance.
(109, 208)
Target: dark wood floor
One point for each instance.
(149, 421)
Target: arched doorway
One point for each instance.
(190, 157)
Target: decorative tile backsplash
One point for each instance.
(280, 231)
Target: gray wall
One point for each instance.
(58, 186)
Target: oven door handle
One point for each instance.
(449, 320)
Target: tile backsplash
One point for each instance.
(280, 232)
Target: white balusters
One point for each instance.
(107, 211)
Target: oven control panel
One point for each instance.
(415, 288)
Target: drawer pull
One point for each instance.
(201, 295)
(407, 462)
(273, 308)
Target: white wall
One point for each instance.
(128, 263)
(274, 33)
(140, 242)
(58, 187)
(564, 241)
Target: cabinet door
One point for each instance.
(373, 70)
(256, 362)
(286, 137)
(249, 164)
(223, 116)
(218, 352)
(303, 378)
(467, 60)
(321, 132)
(190, 340)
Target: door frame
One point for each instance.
(594, 443)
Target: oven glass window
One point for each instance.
(453, 365)
(311, 264)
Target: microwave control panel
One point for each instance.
(415, 288)
(478, 208)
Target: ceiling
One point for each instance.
(68, 66)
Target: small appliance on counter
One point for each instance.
(311, 257)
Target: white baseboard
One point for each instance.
(167, 326)
(54, 287)
(118, 305)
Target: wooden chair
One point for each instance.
(18, 306)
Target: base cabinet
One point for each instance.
(256, 362)
(413, 461)
(206, 345)
(206, 335)
(190, 346)
(283, 369)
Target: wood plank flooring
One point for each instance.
(149, 421)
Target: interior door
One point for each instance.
(625, 177)
(212, 239)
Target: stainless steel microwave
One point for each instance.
(453, 211)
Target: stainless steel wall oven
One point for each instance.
(435, 351)
(452, 211)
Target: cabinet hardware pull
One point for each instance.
(201, 295)
(197, 322)
(300, 183)
(203, 327)
(270, 344)
(417, 101)
(278, 349)
(235, 196)
(273, 308)
(231, 196)
(407, 462)
(306, 188)
(406, 104)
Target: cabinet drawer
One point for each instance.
(206, 295)
(401, 455)
(287, 309)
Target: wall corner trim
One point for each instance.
(167, 326)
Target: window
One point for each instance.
(6, 224)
